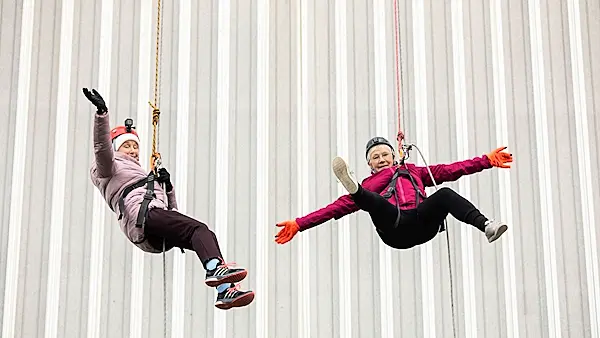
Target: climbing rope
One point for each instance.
(407, 148)
(399, 98)
(447, 242)
(155, 158)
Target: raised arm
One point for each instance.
(103, 152)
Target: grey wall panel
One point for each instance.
(521, 126)
(200, 174)
(9, 51)
(282, 80)
(74, 284)
(590, 47)
(475, 75)
(36, 202)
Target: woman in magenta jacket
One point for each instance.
(116, 172)
(394, 196)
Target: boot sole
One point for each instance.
(233, 278)
(340, 169)
(502, 229)
(238, 302)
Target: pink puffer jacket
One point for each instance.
(112, 172)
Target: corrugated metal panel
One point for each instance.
(257, 97)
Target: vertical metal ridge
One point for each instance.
(381, 111)
(222, 160)
(422, 136)
(99, 208)
(462, 146)
(341, 102)
(137, 300)
(545, 179)
(182, 163)
(584, 161)
(60, 163)
(506, 211)
(262, 165)
(11, 285)
(304, 320)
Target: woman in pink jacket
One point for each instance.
(394, 196)
(144, 216)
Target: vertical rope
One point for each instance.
(155, 157)
(157, 52)
(400, 136)
(164, 266)
(400, 139)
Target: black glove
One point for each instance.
(164, 177)
(97, 100)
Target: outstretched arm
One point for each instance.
(343, 206)
(453, 171)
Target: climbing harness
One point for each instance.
(391, 190)
(407, 148)
(149, 195)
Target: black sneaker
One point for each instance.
(233, 297)
(224, 274)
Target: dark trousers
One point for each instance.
(184, 232)
(418, 225)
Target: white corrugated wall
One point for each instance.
(257, 97)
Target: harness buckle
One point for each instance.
(149, 195)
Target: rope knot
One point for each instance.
(155, 113)
(400, 136)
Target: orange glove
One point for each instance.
(498, 158)
(290, 229)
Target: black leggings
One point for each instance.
(418, 225)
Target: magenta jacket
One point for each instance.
(406, 193)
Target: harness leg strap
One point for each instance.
(148, 197)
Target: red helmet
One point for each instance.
(122, 134)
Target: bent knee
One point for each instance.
(201, 226)
(446, 191)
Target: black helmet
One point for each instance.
(376, 141)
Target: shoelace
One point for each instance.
(227, 265)
(232, 291)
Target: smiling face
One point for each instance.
(130, 148)
(380, 157)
